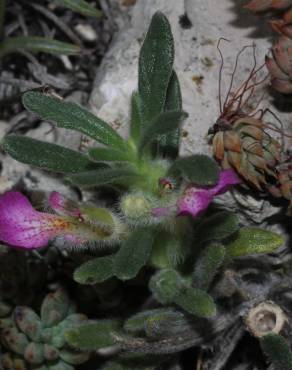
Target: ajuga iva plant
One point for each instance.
(159, 232)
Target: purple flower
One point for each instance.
(195, 200)
(22, 226)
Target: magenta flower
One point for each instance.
(195, 200)
(22, 226)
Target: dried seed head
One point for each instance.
(265, 318)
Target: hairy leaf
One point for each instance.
(252, 240)
(106, 176)
(277, 350)
(166, 285)
(162, 124)
(196, 302)
(169, 143)
(93, 335)
(217, 227)
(198, 169)
(95, 270)
(72, 116)
(46, 155)
(166, 323)
(134, 253)
(207, 266)
(155, 66)
(136, 117)
(108, 155)
(136, 323)
(37, 44)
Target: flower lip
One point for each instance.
(195, 200)
(21, 225)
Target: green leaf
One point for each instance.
(252, 240)
(166, 323)
(166, 285)
(207, 266)
(36, 45)
(72, 116)
(198, 169)
(196, 302)
(277, 350)
(161, 125)
(92, 335)
(106, 176)
(51, 157)
(136, 117)
(155, 66)
(136, 323)
(107, 155)
(134, 253)
(81, 7)
(169, 143)
(217, 227)
(95, 271)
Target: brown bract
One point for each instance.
(279, 64)
(248, 149)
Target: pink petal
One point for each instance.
(194, 201)
(22, 226)
(63, 206)
(227, 178)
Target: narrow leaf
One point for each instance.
(72, 116)
(134, 253)
(106, 176)
(217, 227)
(95, 271)
(155, 66)
(136, 117)
(48, 156)
(207, 266)
(107, 155)
(277, 350)
(169, 143)
(164, 123)
(92, 335)
(196, 302)
(198, 169)
(81, 7)
(36, 45)
(252, 240)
